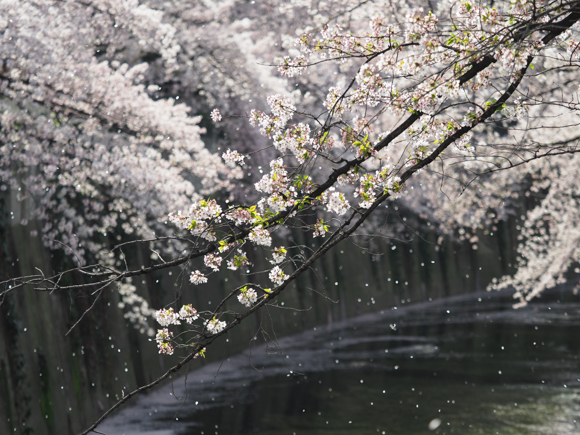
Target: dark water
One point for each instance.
(469, 365)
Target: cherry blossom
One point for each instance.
(241, 216)
(213, 261)
(197, 278)
(215, 326)
(337, 203)
(247, 296)
(278, 255)
(292, 67)
(165, 348)
(239, 259)
(188, 313)
(216, 116)
(277, 275)
(167, 317)
(163, 339)
(320, 229)
(260, 236)
(233, 157)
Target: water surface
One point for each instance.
(471, 364)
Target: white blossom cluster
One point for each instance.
(278, 255)
(215, 326)
(188, 313)
(248, 297)
(260, 236)
(163, 339)
(233, 157)
(240, 216)
(292, 67)
(337, 203)
(320, 229)
(197, 278)
(138, 310)
(167, 317)
(215, 115)
(550, 236)
(277, 275)
(213, 261)
(276, 183)
(239, 259)
(196, 219)
(276, 180)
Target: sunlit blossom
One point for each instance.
(188, 313)
(197, 278)
(248, 297)
(215, 326)
(167, 317)
(216, 116)
(277, 275)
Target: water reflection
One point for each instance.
(472, 362)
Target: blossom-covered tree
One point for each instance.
(476, 101)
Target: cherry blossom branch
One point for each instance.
(336, 237)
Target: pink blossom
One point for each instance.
(167, 317)
(277, 275)
(248, 296)
(215, 326)
(163, 339)
(197, 278)
(213, 261)
(188, 313)
(278, 255)
(260, 236)
(216, 116)
(233, 157)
